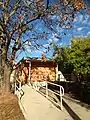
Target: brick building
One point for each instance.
(37, 70)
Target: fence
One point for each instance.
(47, 92)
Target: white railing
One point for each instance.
(18, 88)
(60, 93)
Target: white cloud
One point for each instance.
(75, 19)
(50, 40)
(45, 45)
(53, 17)
(86, 19)
(79, 29)
(80, 18)
(27, 49)
(54, 37)
(59, 30)
(37, 51)
(27, 46)
(88, 33)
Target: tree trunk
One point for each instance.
(7, 73)
(6, 70)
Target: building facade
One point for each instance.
(37, 70)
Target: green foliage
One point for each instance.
(80, 55)
(76, 58)
(61, 56)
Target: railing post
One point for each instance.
(20, 85)
(61, 104)
(15, 88)
(46, 89)
(61, 99)
(19, 89)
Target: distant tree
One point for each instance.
(16, 17)
(75, 58)
(80, 55)
(61, 56)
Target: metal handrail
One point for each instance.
(61, 91)
(18, 87)
(61, 88)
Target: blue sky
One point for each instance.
(81, 27)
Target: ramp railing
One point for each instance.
(18, 89)
(47, 91)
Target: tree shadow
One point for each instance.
(56, 99)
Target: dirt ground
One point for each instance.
(9, 107)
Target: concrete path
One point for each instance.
(80, 110)
(36, 107)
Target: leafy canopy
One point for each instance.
(80, 55)
(77, 57)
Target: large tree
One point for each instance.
(76, 57)
(80, 55)
(16, 17)
(61, 56)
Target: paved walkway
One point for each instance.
(82, 112)
(36, 107)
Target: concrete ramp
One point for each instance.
(36, 107)
(78, 110)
